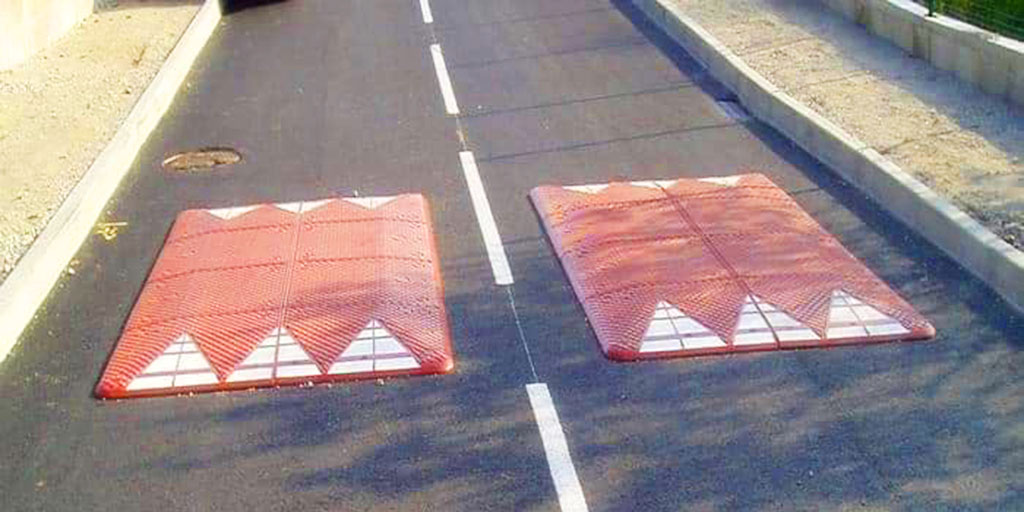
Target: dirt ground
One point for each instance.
(964, 144)
(60, 108)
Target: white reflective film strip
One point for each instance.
(655, 184)
(374, 349)
(670, 330)
(295, 207)
(751, 327)
(586, 189)
(786, 328)
(397, 363)
(849, 317)
(277, 356)
(230, 213)
(370, 203)
(181, 364)
(308, 206)
(725, 181)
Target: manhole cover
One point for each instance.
(202, 159)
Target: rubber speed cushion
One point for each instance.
(690, 267)
(285, 294)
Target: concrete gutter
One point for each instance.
(966, 241)
(29, 284)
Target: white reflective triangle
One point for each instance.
(670, 329)
(302, 206)
(308, 206)
(849, 317)
(277, 356)
(374, 349)
(182, 364)
(725, 181)
(295, 207)
(787, 329)
(232, 212)
(751, 328)
(370, 202)
(587, 189)
(657, 184)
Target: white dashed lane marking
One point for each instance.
(447, 92)
(556, 449)
(488, 228)
(428, 16)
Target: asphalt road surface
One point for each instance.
(341, 97)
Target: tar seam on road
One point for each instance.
(556, 449)
(447, 92)
(522, 335)
(488, 228)
(428, 16)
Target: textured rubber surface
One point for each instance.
(286, 294)
(690, 267)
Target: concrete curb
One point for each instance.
(966, 241)
(29, 284)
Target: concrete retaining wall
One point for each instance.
(27, 26)
(992, 62)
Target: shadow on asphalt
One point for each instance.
(233, 6)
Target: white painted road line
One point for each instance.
(484, 217)
(444, 80)
(567, 484)
(428, 17)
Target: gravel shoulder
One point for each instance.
(966, 145)
(62, 106)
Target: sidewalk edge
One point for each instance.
(29, 284)
(980, 251)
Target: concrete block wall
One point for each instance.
(992, 62)
(27, 26)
